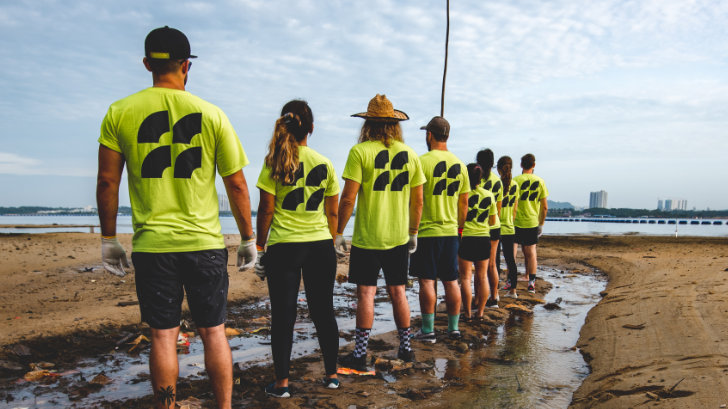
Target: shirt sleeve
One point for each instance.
(498, 190)
(332, 184)
(353, 168)
(464, 180)
(417, 177)
(230, 156)
(545, 192)
(108, 136)
(493, 208)
(265, 182)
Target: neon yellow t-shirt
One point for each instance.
(506, 215)
(447, 179)
(386, 176)
(299, 208)
(173, 142)
(494, 185)
(481, 205)
(531, 190)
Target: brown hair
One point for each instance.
(485, 159)
(475, 174)
(505, 166)
(528, 161)
(295, 123)
(383, 131)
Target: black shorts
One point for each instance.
(163, 278)
(364, 265)
(436, 257)
(474, 248)
(495, 234)
(527, 237)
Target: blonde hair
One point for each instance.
(295, 123)
(383, 131)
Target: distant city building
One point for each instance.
(223, 204)
(669, 205)
(660, 205)
(598, 199)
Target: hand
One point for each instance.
(246, 255)
(340, 245)
(259, 268)
(412, 243)
(540, 230)
(113, 256)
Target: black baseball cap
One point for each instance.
(438, 125)
(166, 43)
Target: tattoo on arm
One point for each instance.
(165, 395)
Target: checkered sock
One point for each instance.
(360, 344)
(404, 339)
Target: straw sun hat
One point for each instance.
(381, 109)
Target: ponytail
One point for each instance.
(475, 174)
(294, 125)
(505, 167)
(485, 160)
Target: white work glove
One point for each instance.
(259, 267)
(540, 230)
(412, 243)
(340, 245)
(247, 255)
(113, 256)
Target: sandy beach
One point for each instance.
(653, 339)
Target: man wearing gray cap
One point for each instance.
(443, 213)
(172, 143)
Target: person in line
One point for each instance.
(531, 209)
(299, 199)
(443, 213)
(475, 242)
(508, 231)
(386, 176)
(172, 142)
(491, 183)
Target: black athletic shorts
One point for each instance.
(474, 248)
(364, 265)
(163, 278)
(527, 237)
(495, 234)
(436, 257)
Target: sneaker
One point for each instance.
(511, 294)
(331, 383)
(425, 336)
(271, 390)
(492, 303)
(507, 287)
(352, 362)
(454, 334)
(406, 355)
(532, 286)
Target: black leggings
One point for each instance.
(284, 263)
(507, 246)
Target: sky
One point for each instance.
(630, 97)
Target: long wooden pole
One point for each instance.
(444, 73)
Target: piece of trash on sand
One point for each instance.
(138, 341)
(634, 326)
(126, 303)
(261, 329)
(40, 374)
(232, 332)
(190, 403)
(350, 371)
(42, 365)
(182, 340)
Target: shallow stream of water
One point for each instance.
(529, 361)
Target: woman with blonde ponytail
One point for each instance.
(298, 204)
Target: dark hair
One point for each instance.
(439, 137)
(485, 159)
(505, 167)
(475, 173)
(295, 123)
(528, 161)
(161, 67)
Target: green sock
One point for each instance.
(428, 323)
(452, 322)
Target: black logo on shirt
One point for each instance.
(443, 185)
(400, 181)
(159, 159)
(510, 197)
(495, 187)
(296, 196)
(529, 191)
(478, 208)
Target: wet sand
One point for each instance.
(661, 321)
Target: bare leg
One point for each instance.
(219, 364)
(452, 297)
(365, 305)
(464, 267)
(480, 271)
(400, 306)
(428, 296)
(164, 367)
(529, 253)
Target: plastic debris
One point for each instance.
(232, 332)
(38, 375)
(349, 371)
(137, 342)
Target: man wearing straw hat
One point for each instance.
(387, 177)
(443, 213)
(172, 143)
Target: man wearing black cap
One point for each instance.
(444, 210)
(172, 143)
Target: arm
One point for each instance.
(237, 191)
(266, 206)
(491, 220)
(415, 208)
(542, 212)
(499, 206)
(331, 209)
(346, 205)
(462, 209)
(111, 166)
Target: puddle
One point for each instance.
(528, 361)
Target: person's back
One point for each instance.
(532, 190)
(447, 179)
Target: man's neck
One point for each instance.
(438, 146)
(527, 171)
(168, 81)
